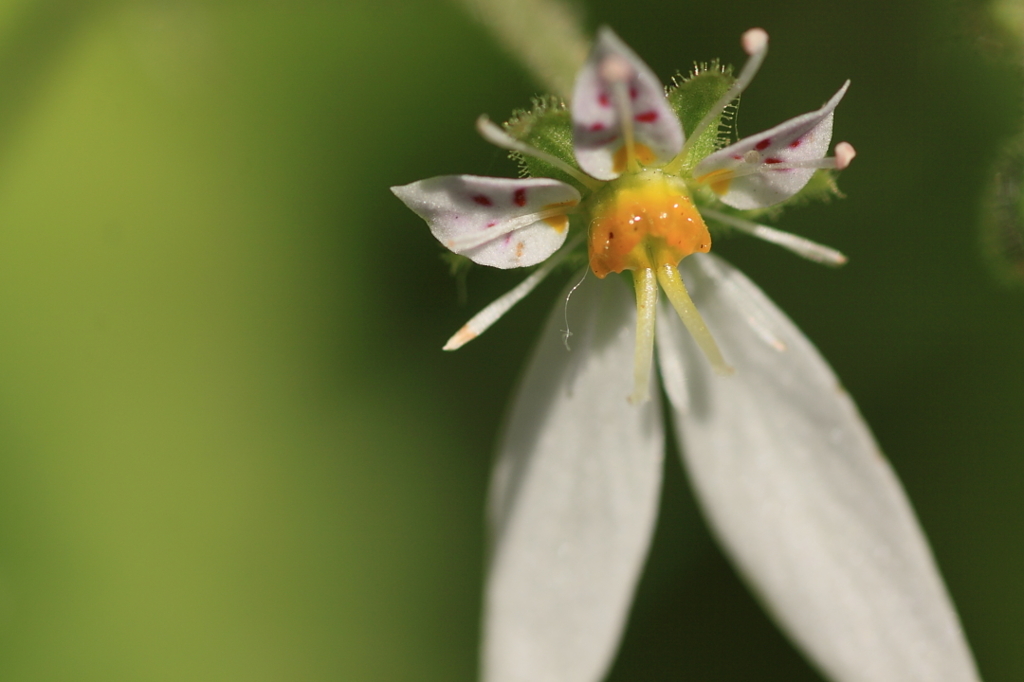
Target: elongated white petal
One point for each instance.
(573, 499)
(600, 124)
(764, 169)
(800, 496)
(500, 222)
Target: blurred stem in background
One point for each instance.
(546, 36)
(34, 38)
(1002, 215)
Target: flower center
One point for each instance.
(644, 220)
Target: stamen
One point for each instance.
(479, 323)
(473, 240)
(616, 71)
(805, 248)
(844, 155)
(755, 44)
(673, 285)
(499, 138)
(646, 311)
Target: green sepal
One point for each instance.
(821, 187)
(548, 127)
(692, 96)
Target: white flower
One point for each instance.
(787, 472)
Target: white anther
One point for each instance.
(844, 155)
(615, 69)
(754, 40)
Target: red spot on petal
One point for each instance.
(795, 143)
(632, 92)
(773, 160)
(483, 200)
(596, 127)
(647, 117)
(519, 197)
(492, 223)
(763, 144)
(603, 100)
(738, 157)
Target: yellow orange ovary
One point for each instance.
(645, 224)
(643, 154)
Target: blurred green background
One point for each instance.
(230, 446)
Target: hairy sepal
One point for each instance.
(692, 96)
(548, 127)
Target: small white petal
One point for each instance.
(573, 499)
(809, 509)
(597, 121)
(500, 222)
(758, 170)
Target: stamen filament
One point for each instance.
(499, 138)
(813, 251)
(475, 239)
(646, 286)
(479, 323)
(673, 285)
(755, 44)
(617, 72)
(844, 155)
(621, 98)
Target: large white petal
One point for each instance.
(799, 494)
(573, 498)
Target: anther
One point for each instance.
(615, 69)
(754, 40)
(844, 155)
